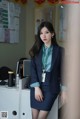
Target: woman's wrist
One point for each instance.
(37, 87)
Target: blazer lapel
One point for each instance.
(54, 55)
(39, 60)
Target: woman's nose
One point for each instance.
(44, 35)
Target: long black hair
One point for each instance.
(38, 42)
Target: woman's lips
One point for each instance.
(44, 39)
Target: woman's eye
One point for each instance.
(41, 33)
(47, 32)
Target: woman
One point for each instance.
(46, 59)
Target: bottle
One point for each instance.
(17, 80)
(10, 79)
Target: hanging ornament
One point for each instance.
(53, 1)
(23, 1)
(39, 1)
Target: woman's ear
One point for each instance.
(52, 35)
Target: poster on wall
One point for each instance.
(9, 22)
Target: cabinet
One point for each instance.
(25, 110)
(15, 102)
(9, 102)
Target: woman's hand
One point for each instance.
(63, 97)
(38, 94)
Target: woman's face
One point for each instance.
(45, 36)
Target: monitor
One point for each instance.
(26, 68)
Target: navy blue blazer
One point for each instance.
(53, 78)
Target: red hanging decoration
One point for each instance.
(39, 1)
(23, 1)
(53, 1)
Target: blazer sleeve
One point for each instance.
(34, 76)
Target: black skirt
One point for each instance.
(48, 101)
